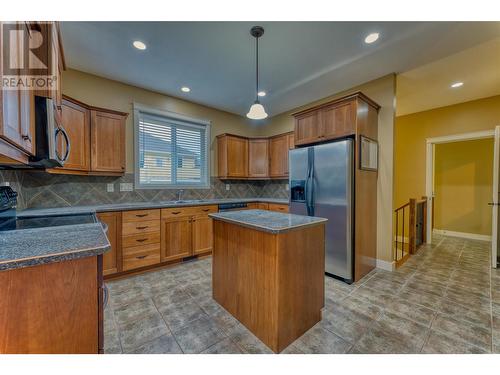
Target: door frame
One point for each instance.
(429, 167)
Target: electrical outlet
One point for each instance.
(287, 187)
(126, 186)
(228, 187)
(110, 188)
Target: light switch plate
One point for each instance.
(126, 186)
(228, 187)
(6, 183)
(287, 187)
(110, 188)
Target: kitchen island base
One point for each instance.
(273, 283)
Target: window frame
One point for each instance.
(182, 121)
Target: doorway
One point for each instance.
(460, 186)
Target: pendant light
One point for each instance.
(257, 111)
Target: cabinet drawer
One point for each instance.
(145, 226)
(141, 239)
(168, 213)
(140, 215)
(140, 256)
(278, 207)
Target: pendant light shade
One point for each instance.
(257, 111)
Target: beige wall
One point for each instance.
(412, 130)
(463, 177)
(382, 91)
(102, 92)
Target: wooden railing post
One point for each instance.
(412, 235)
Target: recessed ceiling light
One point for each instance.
(457, 84)
(185, 89)
(139, 45)
(261, 93)
(370, 38)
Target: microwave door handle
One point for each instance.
(61, 130)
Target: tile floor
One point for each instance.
(445, 299)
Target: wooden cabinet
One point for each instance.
(338, 120)
(258, 157)
(52, 308)
(111, 259)
(232, 152)
(258, 206)
(107, 141)
(17, 123)
(278, 161)
(253, 158)
(176, 238)
(186, 231)
(140, 238)
(76, 122)
(307, 128)
(335, 119)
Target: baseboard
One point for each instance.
(470, 236)
(385, 265)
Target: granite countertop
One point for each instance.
(267, 221)
(30, 247)
(140, 206)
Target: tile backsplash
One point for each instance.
(39, 189)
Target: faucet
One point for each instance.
(179, 194)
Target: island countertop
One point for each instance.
(267, 221)
(31, 247)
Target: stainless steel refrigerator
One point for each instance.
(321, 184)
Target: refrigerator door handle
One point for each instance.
(309, 186)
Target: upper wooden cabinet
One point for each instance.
(278, 161)
(108, 141)
(232, 152)
(331, 120)
(258, 157)
(253, 158)
(97, 138)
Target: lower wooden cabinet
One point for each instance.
(278, 207)
(258, 206)
(111, 259)
(140, 256)
(176, 238)
(202, 228)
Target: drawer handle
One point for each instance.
(176, 212)
(206, 210)
(142, 240)
(142, 227)
(141, 257)
(141, 215)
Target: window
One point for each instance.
(171, 150)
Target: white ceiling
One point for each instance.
(428, 86)
(299, 61)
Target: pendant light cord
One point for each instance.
(257, 70)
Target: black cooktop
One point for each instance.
(27, 222)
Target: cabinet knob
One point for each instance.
(26, 137)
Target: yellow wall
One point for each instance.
(102, 92)
(412, 130)
(463, 186)
(382, 91)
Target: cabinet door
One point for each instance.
(17, 122)
(176, 238)
(111, 258)
(291, 141)
(338, 120)
(76, 122)
(308, 128)
(258, 158)
(278, 207)
(202, 234)
(237, 157)
(107, 132)
(278, 162)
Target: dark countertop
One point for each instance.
(30, 247)
(141, 206)
(267, 221)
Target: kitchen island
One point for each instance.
(268, 272)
